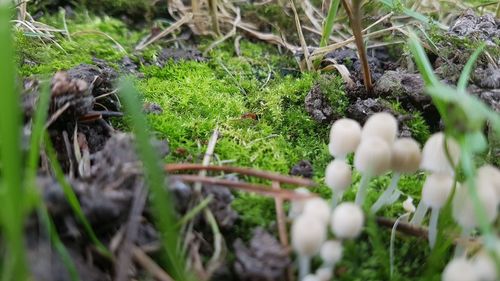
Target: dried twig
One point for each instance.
(260, 189)
(186, 18)
(242, 171)
(280, 216)
(149, 265)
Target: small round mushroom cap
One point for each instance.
(463, 209)
(331, 252)
(345, 136)
(437, 189)
(405, 156)
(338, 175)
(297, 206)
(373, 156)
(382, 125)
(324, 273)
(319, 208)
(434, 158)
(347, 220)
(490, 174)
(459, 269)
(408, 205)
(311, 277)
(485, 267)
(308, 234)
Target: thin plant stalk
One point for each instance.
(328, 24)
(387, 194)
(162, 204)
(14, 267)
(363, 186)
(355, 17)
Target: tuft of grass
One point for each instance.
(162, 204)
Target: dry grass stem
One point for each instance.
(280, 216)
(302, 40)
(150, 265)
(185, 19)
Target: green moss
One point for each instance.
(333, 88)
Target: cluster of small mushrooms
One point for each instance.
(377, 150)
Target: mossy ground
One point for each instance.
(198, 97)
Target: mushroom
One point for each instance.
(347, 220)
(319, 208)
(331, 253)
(372, 158)
(310, 277)
(297, 206)
(492, 174)
(345, 136)
(459, 269)
(435, 193)
(435, 154)
(405, 159)
(485, 267)
(382, 125)
(338, 177)
(308, 234)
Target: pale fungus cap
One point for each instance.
(490, 174)
(459, 269)
(434, 158)
(347, 220)
(345, 136)
(463, 209)
(405, 156)
(324, 273)
(308, 234)
(408, 205)
(373, 156)
(297, 206)
(319, 208)
(437, 189)
(485, 267)
(331, 252)
(311, 277)
(382, 125)
(338, 175)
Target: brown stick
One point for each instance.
(261, 189)
(149, 265)
(280, 216)
(354, 14)
(243, 171)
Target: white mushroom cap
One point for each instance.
(297, 206)
(485, 267)
(408, 205)
(324, 273)
(373, 156)
(311, 277)
(338, 175)
(405, 156)
(331, 252)
(347, 220)
(345, 136)
(459, 269)
(490, 174)
(463, 208)
(434, 158)
(382, 125)
(308, 234)
(437, 189)
(319, 208)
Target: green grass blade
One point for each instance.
(423, 63)
(37, 130)
(58, 245)
(328, 25)
(72, 198)
(10, 154)
(465, 75)
(163, 208)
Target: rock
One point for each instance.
(481, 28)
(318, 105)
(404, 86)
(302, 169)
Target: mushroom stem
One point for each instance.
(391, 243)
(386, 195)
(419, 215)
(336, 198)
(433, 227)
(304, 266)
(460, 248)
(361, 194)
